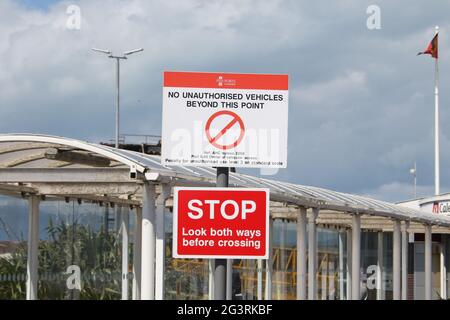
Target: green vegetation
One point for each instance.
(96, 253)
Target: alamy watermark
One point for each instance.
(73, 281)
(373, 21)
(74, 17)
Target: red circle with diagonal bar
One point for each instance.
(235, 119)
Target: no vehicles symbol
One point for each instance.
(223, 127)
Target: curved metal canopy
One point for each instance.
(32, 151)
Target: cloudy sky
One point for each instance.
(361, 101)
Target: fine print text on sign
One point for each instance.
(225, 223)
(224, 119)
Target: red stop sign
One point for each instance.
(227, 223)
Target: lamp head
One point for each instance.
(133, 51)
(101, 51)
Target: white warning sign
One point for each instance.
(225, 120)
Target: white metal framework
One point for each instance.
(20, 151)
(41, 167)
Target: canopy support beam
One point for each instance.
(301, 253)
(148, 243)
(33, 245)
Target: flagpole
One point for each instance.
(436, 125)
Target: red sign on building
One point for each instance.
(224, 223)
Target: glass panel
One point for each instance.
(13, 248)
(80, 252)
(327, 264)
(186, 279)
(245, 280)
(284, 260)
(448, 264)
(369, 260)
(387, 262)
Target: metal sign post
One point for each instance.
(220, 265)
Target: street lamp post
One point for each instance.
(123, 219)
(118, 58)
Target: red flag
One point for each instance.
(432, 48)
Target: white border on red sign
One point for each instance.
(175, 224)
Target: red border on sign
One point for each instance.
(226, 80)
(213, 140)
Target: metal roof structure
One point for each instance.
(61, 167)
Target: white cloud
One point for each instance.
(398, 191)
(361, 107)
(352, 82)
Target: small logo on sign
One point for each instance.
(221, 81)
(435, 207)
